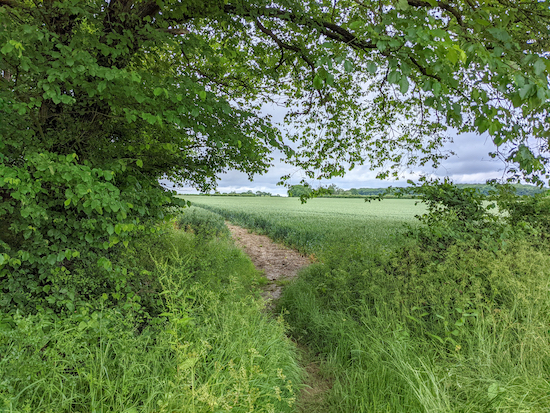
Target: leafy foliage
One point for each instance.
(444, 316)
(93, 115)
(299, 191)
(450, 316)
(101, 99)
(205, 346)
(530, 213)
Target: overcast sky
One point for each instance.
(471, 164)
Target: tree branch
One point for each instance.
(423, 70)
(441, 4)
(10, 3)
(283, 45)
(331, 30)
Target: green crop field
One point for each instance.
(445, 318)
(319, 223)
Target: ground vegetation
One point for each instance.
(446, 314)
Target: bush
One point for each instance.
(454, 318)
(58, 217)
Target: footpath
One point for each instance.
(280, 265)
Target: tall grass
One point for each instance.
(210, 349)
(389, 355)
(407, 325)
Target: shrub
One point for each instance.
(453, 318)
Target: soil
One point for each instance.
(280, 265)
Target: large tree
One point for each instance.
(101, 99)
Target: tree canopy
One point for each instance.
(101, 99)
(376, 81)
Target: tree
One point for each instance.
(299, 191)
(100, 99)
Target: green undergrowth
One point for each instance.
(467, 333)
(189, 337)
(202, 222)
(454, 318)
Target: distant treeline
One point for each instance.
(521, 189)
(245, 194)
(336, 192)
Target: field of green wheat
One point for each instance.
(315, 226)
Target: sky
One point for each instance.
(471, 164)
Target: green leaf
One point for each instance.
(452, 55)
(89, 238)
(500, 34)
(403, 85)
(394, 77)
(317, 82)
(540, 67)
(526, 91)
(202, 95)
(348, 66)
(402, 5)
(158, 91)
(371, 67)
(436, 88)
(517, 101)
(139, 163)
(8, 47)
(187, 364)
(66, 99)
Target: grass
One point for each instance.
(211, 350)
(404, 327)
(396, 324)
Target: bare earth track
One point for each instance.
(281, 264)
(278, 262)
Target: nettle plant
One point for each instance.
(454, 214)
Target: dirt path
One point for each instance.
(281, 264)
